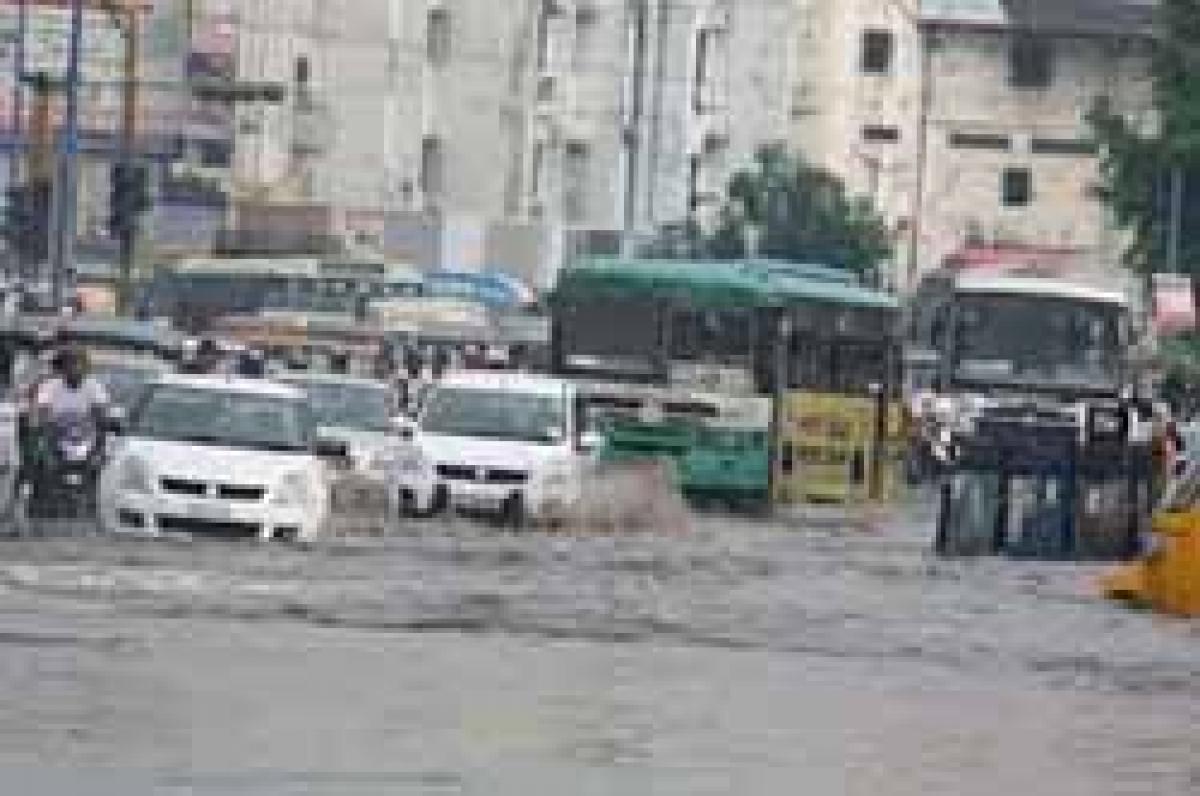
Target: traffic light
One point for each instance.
(130, 198)
(27, 221)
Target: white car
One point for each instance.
(501, 444)
(217, 456)
(360, 412)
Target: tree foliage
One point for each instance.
(801, 213)
(1140, 167)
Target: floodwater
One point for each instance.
(799, 658)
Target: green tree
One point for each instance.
(800, 213)
(1145, 171)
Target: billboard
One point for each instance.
(47, 46)
(1174, 304)
(48, 37)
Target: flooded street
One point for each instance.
(740, 659)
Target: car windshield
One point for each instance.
(362, 407)
(224, 417)
(125, 383)
(501, 414)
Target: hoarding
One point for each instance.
(1174, 304)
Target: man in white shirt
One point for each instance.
(72, 403)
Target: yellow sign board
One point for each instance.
(827, 447)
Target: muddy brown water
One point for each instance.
(451, 658)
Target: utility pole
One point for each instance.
(18, 94)
(1175, 227)
(633, 122)
(128, 232)
(63, 251)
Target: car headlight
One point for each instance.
(556, 477)
(293, 490)
(134, 477)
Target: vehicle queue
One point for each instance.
(752, 384)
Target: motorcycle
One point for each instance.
(64, 488)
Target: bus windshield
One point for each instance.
(1034, 339)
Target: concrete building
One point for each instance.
(966, 120)
(1008, 150)
(348, 133)
(854, 103)
(519, 133)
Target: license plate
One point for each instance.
(73, 479)
(208, 511)
(471, 502)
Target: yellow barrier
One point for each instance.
(1168, 579)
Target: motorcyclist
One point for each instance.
(71, 406)
(72, 398)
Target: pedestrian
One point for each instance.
(441, 362)
(413, 363)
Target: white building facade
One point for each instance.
(583, 124)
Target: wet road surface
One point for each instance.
(740, 659)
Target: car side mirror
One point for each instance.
(590, 441)
(404, 427)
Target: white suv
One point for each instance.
(216, 456)
(502, 444)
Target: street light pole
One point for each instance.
(67, 194)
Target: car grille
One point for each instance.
(507, 476)
(457, 473)
(191, 525)
(246, 493)
(199, 489)
(180, 486)
(493, 475)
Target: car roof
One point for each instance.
(492, 380)
(128, 358)
(262, 387)
(301, 379)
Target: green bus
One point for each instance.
(693, 361)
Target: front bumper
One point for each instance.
(429, 496)
(156, 515)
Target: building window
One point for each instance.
(437, 37)
(704, 41)
(1000, 143)
(546, 29)
(1079, 147)
(881, 133)
(1016, 187)
(575, 182)
(536, 168)
(303, 70)
(585, 34)
(1031, 62)
(877, 46)
(431, 167)
(694, 167)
